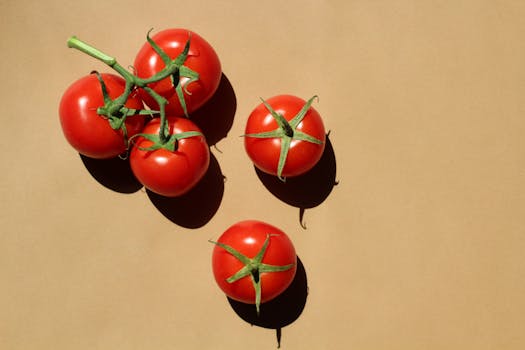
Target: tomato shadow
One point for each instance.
(281, 311)
(215, 117)
(197, 207)
(308, 190)
(114, 174)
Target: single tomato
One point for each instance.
(285, 136)
(201, 59)
(88, 132)
(170, 172)
(253, 262)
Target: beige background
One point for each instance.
(420, 246)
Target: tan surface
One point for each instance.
(420, 246)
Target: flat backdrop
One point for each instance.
(414, 221)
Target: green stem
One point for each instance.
(161, 101)
(78, 44)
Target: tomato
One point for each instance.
(284, 136)
(201, 59)
(88, 132)
(253, 262)
(166, 172)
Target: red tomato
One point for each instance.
(88, 132)
(265, 151)
(247, 239)
(201, 58)
(165, 172)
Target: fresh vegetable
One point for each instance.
(88, 126)
(284, 136)
(192, 84)
(253, 262)
(173, 166)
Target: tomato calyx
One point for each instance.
(287, 132)
(170, 142)
(114, 111)
(177, 70)
(253, 267)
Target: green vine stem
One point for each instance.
(173, 68)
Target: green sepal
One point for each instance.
(302, 136)
(171, 144)
(182, 101)
(128, 112)
(285, 148)
(241, 257)
(256, 280)
(245, 271)
(181, 89)
(260, 255)
(163, 55)
(116, 122)
(267, 134)
(300, 116)
(274, 268)
(181, 58)
(188, 73)
(105, 95)
(154, 138)
(185, 72)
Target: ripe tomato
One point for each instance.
(253, 262)
(165, 172)
(88, 132)
(201, 59)
(285, 136)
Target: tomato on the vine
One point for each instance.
(253, 262)
(201, 59)
(285, 136)
(177, 166)
(88, 132)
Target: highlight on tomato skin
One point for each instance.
(285, 136)
(253, 262)
(89, 133)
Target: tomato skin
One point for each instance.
(167, 173)
(248, 237)
(85, 130)
(265, 152)
(202, 59)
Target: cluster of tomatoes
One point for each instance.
(145, 114)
